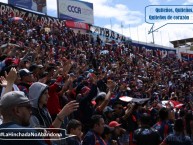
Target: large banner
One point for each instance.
(107, 33)
(77, 25)
(186, 56)
(34, 5)
(76, 11)
(26, 15)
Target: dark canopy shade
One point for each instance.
(181, 42)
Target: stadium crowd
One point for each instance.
(54, 78)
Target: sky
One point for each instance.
(131, 15)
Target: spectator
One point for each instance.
(108, 113)
(93, 136)
(177, 138)
(118, 131)
(103, 99)
(74, 127)
(146, 134)
(36, 70)
(84, 97)
(16, 111)
(135, 70)
(55, 93)
(118, 110)
(26, 80)
(107, 136)
(163, 126)
(189, 124)
(38, 93)
(4, 81)
(126, 117)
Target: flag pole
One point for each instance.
(122, 28)
(111, 23)
(137, 34)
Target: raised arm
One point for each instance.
(110, 85)
(66, 110)
(11, 77)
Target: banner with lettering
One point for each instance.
(75, 10)
(107, 33)
(12, 11)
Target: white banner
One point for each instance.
(107, 33)
(76, 11)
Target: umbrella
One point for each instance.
(126, 98)
(172, 103)
(176, 71)
(9, 44)
(140, 101)
(130, 99)
(16, 19)
(109, 44)
(104, 52)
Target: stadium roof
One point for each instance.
(181, 42)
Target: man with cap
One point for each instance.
(108, 114)
(107, 135)
(16, 111)
(84, 97)
(26, 80)
(36, 70)
(118, 131)
(103, 99)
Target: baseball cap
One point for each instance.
(34, 66)
(173, 93)
(80, 78)
(72, 74)
(44, 74)
(16, 62)
(114, 124)
(50, 67)
(24, 72)
(86, 73)
(8, 61)
(91, 70)
(90, 75)
(13, 98)
(100, 95)
(40, 65)
(25, 60)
